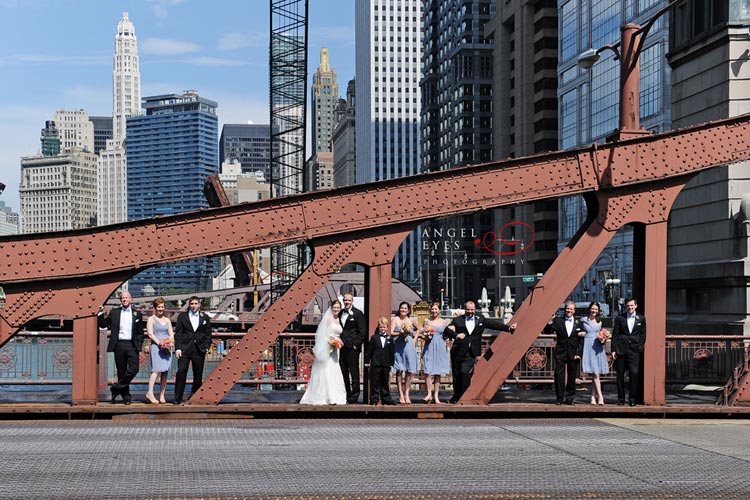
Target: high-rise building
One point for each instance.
(388, 52)
(249, 144)
(320, 171)
(171, 149)
(524, 123)
(126, 93)
(8, 220)
(344, 139)
(588, 107)
(708, 252)
(58, 191)
(456, 131)
(76, 131)
(102, 131)
(50, 139)
(325, 92)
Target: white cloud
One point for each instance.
(167, 47)
(333, 34)
(52, 59)
(160, 7)
(234, 41)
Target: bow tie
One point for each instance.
(631, 317)
(469, 318)
(125, 309)
(383, 335)
(568, 319)
(347, 311)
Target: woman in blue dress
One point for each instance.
(435, 358)
(594, 355)
(159, 330)
(406, 363)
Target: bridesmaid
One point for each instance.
(594, 354)
(435, 358)
(406, 359)
(159, 330)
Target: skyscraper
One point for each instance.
(102, 132)
(171, 150)
(456, 131)
(344, 139)
(524, 123)
(325, 92)
(126, 93)
(76, 131)
(588, 106)
(388, 53)
(248, 143)
(58, 190)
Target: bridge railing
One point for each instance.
(47, 358)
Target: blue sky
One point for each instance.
(57, 54)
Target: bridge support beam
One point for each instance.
(655, 305)
(85, 361)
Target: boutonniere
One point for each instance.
(204, 322)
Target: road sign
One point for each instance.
(529, 279)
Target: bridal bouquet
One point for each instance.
(603, 335)
(428, 331)
(335, 342)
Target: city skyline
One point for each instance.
(217, 49)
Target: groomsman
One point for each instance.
(126, 327)
(353, 335)
(466, 331)
(568, 352)
(628, 339)
(192, 338)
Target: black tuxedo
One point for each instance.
(465, 351)
(566, 350)
(193, 344)
(380, 358)
(353, 335)
(126, 351)
(628, 346)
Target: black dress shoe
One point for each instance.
(390, 402)
(570, 402)
(114, 393)
(127, 399)
(632, 403)
(177, 402)
(559, 402)
(621, 403)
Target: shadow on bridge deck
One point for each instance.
(54, 402)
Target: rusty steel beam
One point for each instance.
(72, 273)
(649, 204)
(375, 250)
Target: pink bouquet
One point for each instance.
(603, 335)
(428, 331)
(336, 342)
(166, 344)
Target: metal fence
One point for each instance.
(47, 358)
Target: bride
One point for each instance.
(326, 386)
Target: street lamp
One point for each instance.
(613, 282)
(628, 51)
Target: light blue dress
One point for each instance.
(160, 359)
(594, 355)
(435, 358)
(406, 358)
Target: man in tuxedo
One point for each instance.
(353, 335)
(628, 339)
(192, 338)
(379, 357)
(125, 326)
(568, 352)
(466, 331)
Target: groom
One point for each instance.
(353, 335)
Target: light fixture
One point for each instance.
(588, 58)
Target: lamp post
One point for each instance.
(628, 51)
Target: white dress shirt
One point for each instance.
(126, 324)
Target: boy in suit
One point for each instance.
(379, 356)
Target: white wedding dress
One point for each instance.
(326, 385)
